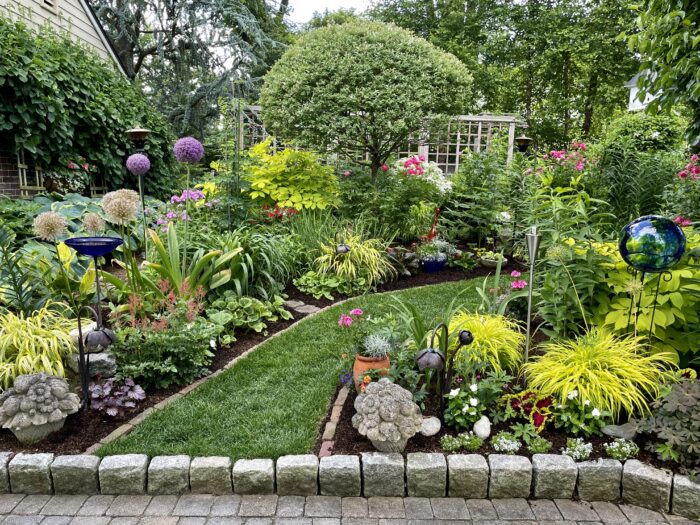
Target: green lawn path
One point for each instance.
(271, 403)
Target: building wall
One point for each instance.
(62, 15)
(9, 179)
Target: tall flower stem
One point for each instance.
(187, 221)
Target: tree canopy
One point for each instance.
(668, 39)
(361, 88)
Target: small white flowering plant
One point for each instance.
(579, 416)
(505, 443)
(464, 408)
(578, 449)
(466, 440)
(621, 449)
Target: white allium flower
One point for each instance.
(595, 412)
(49, 226)
(473, 388)
(454, 392)
(473, 401)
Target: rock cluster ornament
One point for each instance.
(387, 415)
(36, 406)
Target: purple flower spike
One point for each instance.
(188, 149)
(138, 164)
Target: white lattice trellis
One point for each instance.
(464, 132)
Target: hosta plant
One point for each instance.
(612, 373)
(497, 340)
(113, 398)
(231, 313)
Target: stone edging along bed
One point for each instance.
(548, 476)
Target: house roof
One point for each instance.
(104, 37)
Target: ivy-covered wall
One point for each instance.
(59, 101)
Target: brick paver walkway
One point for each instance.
(198, 509)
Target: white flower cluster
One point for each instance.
(578, 449)
(506, 443)
(621, 449)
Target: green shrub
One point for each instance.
(231, 313)
(643, 131)
(88, 119)
(290, 177)
(361, 89)
(621, 449)
(539, 445)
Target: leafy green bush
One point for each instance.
(674, 422)
(643, 131)
(466, 440)
(176, 355)
(290, 177)
(539, 445)
(88, 120)
(361, 88)
(612, 373)
(17, 215)
(231, 312)
(621, 449)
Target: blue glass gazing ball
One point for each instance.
(652, 243)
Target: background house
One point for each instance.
(75, 18)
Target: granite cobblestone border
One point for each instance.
(373, 474)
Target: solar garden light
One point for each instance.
(533, 244)
(436, 359)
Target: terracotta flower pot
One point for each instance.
(364, 364)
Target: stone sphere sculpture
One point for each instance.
(387, 415)
(652, 243)
(36, 406)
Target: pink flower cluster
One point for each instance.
(414, 165)
(518, 284)
(347, 320)
(573, 158)
(683, 222)
(692, 169)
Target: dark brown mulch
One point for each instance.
(349, 441)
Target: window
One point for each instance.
(50, 5)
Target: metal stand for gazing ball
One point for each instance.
(101, 337)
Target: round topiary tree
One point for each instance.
(361, 87)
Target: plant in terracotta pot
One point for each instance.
(372, 355)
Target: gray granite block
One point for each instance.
(340, 476)
(123, 474)
(646, 486)
(254, 476)
(686, 497)
(426, 475)
(211, 475)
(468, 476)
(382, 474)
(511, 476)
(5, 458)
(76, 474)
(553, 476)
(31, 473)
(169, 475)
(599, 480)
(297, 475)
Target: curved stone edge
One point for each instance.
(131, 424)
(371, 474)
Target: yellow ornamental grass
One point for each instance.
(33, 344)
(497, 340)
(613, 373)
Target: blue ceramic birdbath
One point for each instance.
(94, 247)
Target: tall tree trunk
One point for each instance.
(591, 93)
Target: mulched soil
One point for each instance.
(349, 441)
(85, 428)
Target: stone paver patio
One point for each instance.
(202, 509)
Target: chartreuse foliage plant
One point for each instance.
(290, 178)
(53, 113)
(361, 88)
(33, 343)
(497, 340)
(613, 373)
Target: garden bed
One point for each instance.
(348, 441)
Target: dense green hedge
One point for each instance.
(59, 100)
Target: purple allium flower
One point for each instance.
(188, 149)
(138, 164)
